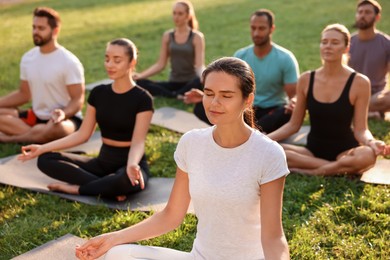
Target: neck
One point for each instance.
(332, 68)
(183, 29)
(123, 84)
(263, 50)
(230, 136)
(49, 47)
(367, 34)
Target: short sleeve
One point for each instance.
(291, 69)
(276, 165)
(180, 153)
(147, 102)
(92, 97)
(23, 72)
(74, 73)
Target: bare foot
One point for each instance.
(121, 198)
(65, 188)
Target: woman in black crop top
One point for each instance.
(123, 112)
(184, 47)
(336, 97)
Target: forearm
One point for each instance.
(152, 70)
(284, 132)
(14, 99)
(71, 140)
(137, 150)
(72, 108)
(158, 224)
(276, 249)
(363, 136)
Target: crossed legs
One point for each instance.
(15, 130)
(356, 160)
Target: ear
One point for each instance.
(133, 63)
(249, 100)
(377, 18)
(56, 31)
(273, 28)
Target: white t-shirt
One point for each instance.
(224, 188)
(47, 76)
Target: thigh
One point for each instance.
(138, 252)
(298, 149)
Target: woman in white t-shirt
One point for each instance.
(233, 174)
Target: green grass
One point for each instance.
(324, 218)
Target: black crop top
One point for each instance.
(116, 113)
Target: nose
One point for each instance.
(215, 101)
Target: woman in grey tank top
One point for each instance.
(184, 47)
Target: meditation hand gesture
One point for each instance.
(379, 147)
(135, 175)
(193, 96)
(95, 247)
(30, 152)
(58, 115)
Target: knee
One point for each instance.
(44, 160)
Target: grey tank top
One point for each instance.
(182, 59)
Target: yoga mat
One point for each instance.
(62, 248)
(26, 175)
(176, 120)
(379, 174)
(299, 138)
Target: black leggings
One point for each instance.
(270, 119)
(169, 88)
(103, 176)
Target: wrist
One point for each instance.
(369, 141)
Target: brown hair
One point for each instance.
(52, 16)
(375, 4)
(265, 12)
(244, 75)
(193, 22)
(131, 49)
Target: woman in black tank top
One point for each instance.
(337, 99)
(184, 47)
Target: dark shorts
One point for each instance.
(29, 117)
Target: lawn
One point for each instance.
(324, 218)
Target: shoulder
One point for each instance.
(361, 80)
(142, 93)
(283, 52)
(304, 80)
(269, 146)
(198, 34)
(244, 51)
(167, 33)
(30, 54)
(383, 36)
(196, 134)
(101, 88)
(68, 56)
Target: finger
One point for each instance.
(142, 183)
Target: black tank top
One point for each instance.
(330, 123)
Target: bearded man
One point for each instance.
(276, 73)
(370, 55)
(52, 78)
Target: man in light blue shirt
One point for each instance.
(276, 71)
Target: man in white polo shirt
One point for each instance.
(52, 78)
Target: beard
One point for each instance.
(40, 41)
(259, 42)
(363, 24)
